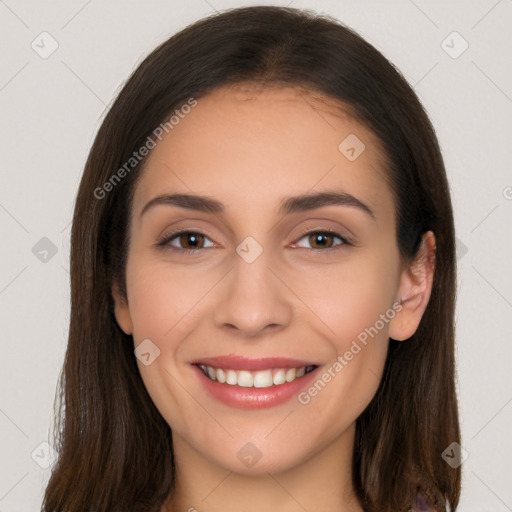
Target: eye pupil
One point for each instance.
(318, 236)
(186, 237)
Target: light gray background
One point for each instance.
(51, 109)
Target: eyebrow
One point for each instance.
(288, 206)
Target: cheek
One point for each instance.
(351, 297)
(356, 306)
(164, 310)
(354, 302)
(161, 300)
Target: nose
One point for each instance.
(254, 299)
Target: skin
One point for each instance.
(250, 149)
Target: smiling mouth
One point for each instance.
(255, 379)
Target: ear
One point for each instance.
(414, 290)
(122, 311)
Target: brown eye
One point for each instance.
(195, 240)
(184, 240)
(323, 240)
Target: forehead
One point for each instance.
(251, 147)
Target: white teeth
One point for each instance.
(220, 375)
(279, 377)
(245, 379)
(231, 377)
(263, 379)
(291, 374)
(257, 379)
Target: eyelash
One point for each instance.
(166, 239)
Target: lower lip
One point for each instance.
(254, 398)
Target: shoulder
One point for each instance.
(421, 504)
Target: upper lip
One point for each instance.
(237, 362)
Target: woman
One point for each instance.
(263, 283)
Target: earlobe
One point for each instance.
(122, 311)
(414, 290)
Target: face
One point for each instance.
(285, 283)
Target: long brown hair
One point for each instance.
(114, 448)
